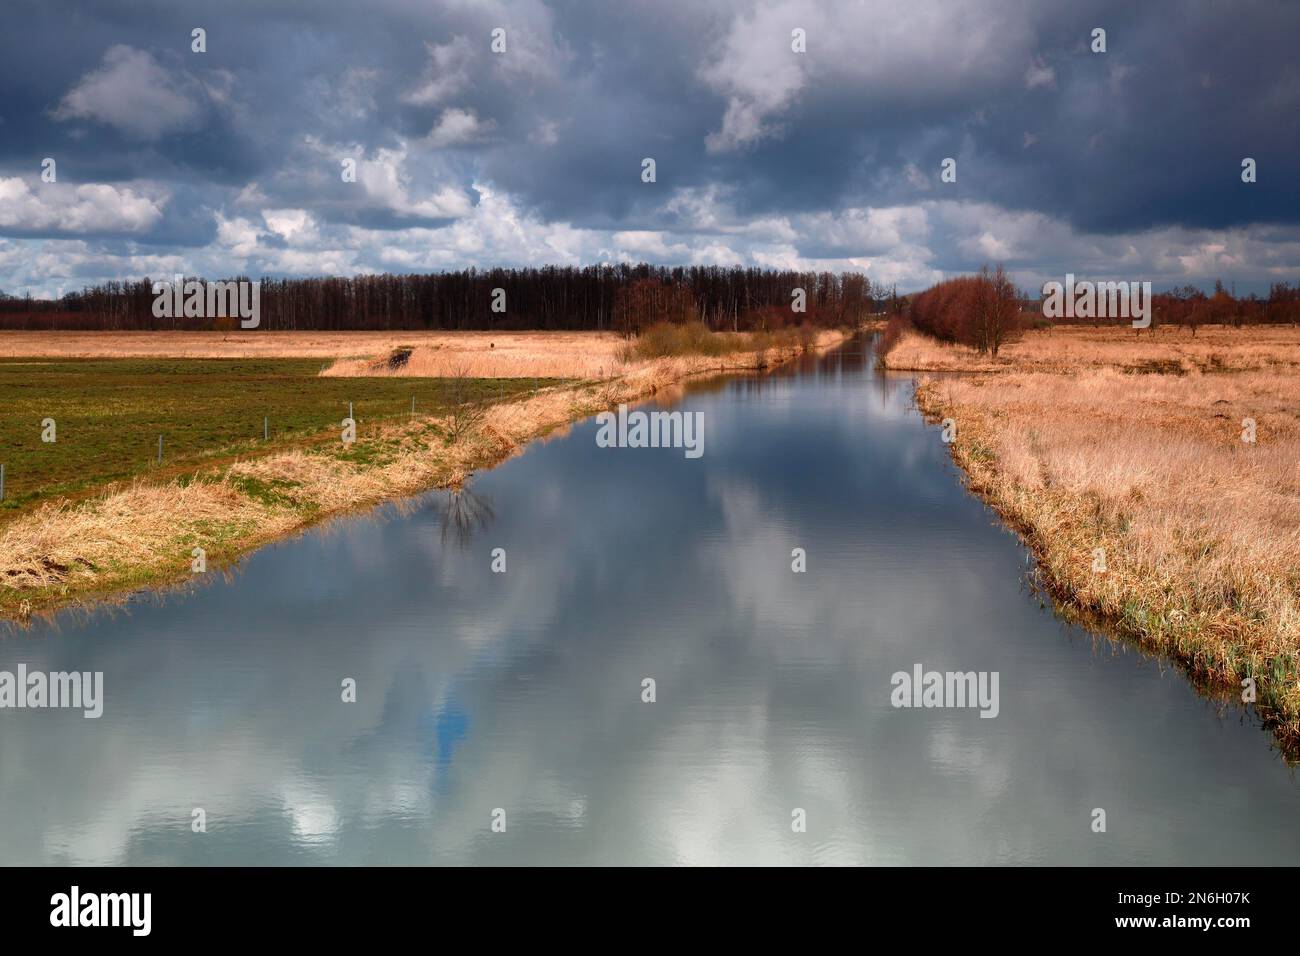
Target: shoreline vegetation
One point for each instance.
(132, 535)
(1156, 479)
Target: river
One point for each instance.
(501, 718)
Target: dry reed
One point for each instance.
(1200, 529)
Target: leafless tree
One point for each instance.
(465, 414)
(463, 515)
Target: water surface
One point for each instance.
(523, 691)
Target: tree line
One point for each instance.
(974, 310)
(1188, 306)
(616, 297)
(985, 311)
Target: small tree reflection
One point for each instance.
(463, 515)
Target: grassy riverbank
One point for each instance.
(1089, 439)
(108, 415)
(102, 518)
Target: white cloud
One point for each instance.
(132, 92)
(1040, 75)
(760, 75)
(457, 127)
(867, 231)
(386, 182)
(895, 51)
(912, 246)
(716, 253)
(447, 74)
(638, 244)
(251, 195)
(239, 237)
(89, 207)
(295, 226)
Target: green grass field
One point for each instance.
(108, 414)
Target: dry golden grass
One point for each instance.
(1071, 347)
(586, 355)
(1201, 530)
(591, 355)
(61, 545)
(143, 535)
(258, 343)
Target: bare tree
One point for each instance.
(996, 310)
(463, 514)
(465, 414)
(1004, 312)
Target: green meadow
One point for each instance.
(109, 413)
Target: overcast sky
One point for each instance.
(1123, 164)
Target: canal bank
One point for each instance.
(522, 690)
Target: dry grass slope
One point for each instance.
(590, 355)
(1200, 529)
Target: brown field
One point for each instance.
(1069, 348)
(1080, 442)
(593, 355)
(536, 354)
(587, 355)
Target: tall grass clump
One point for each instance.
(895, 329)
(668, 339)
(675, 340)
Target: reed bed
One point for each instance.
(1068, 348)
(587, 355)
(1200, 529)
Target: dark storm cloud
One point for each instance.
(1149, 134)
(1153, 132)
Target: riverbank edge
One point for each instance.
(1209, 662)
(262, 505)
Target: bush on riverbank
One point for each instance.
(669, 339)
(981, 311)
